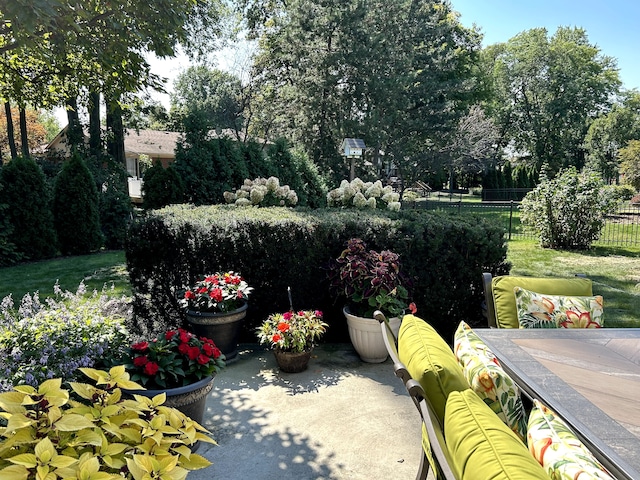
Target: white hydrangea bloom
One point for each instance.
(247, 182)
(391, 197)
(359, 201)
(371, 203)
(348, 193)
(394, 206)
(257, 194)
(344, 184)
(243, 193)
(292, 198)
(357, 185)
(272, 184)
(243, 202)
(387, 189)
(229, 197)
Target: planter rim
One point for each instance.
(200, 313)
(176, 390)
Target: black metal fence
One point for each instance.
(621, 229)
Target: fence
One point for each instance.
(621, 229)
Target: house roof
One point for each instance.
(151, 142)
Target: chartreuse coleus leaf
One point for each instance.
(88, 468)
(143, 467)
(44, 461)
(116, 377)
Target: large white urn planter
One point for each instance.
(366, 336)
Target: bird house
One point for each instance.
(352, 147)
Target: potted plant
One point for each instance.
(292, 336)
(90, 431)
(215, 306)
(369, 281)
(179, 364)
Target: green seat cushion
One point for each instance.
(481, 446)
(430, 361)
(505, 300)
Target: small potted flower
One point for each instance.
(215, 306)
(370, 281)
(179, 364)
(292, 336)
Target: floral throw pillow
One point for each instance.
(558, 450)
(536, 310)
(487, 378)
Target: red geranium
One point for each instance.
(174, 359)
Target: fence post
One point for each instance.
(510, 217)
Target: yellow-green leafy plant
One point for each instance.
(91, 432)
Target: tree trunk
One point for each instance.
(24, 139)
(74, 129)
(95, 142)
(10, 132)
(115, 128)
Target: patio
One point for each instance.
(340, 419)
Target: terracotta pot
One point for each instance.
(221, 327)
(292, 362)
(366, 336)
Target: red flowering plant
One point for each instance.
(292, 331)
(218, 292)
(176, 359)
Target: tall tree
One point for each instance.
(612, 131)
(396, 74)
(546, 90)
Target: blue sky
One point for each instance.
(612, 25)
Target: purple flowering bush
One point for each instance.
(40, 340)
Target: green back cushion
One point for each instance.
(430, 362)
(481, 446)
(505, 300)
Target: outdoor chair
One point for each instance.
(433, 454)
(500, 299)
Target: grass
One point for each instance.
(105, 268)
(615, 272)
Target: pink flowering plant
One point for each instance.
(218, 292)
(292, 331)
(175, 359)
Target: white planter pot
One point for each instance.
(366, 336)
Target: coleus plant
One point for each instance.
(48, 435)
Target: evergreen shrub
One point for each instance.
(274, 248)
(75, 209)
(161, 187)
(28, 210)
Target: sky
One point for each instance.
(611, 25)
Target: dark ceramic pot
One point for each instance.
(222, 328)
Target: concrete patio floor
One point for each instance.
(340, 419)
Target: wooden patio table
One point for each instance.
(590, 377)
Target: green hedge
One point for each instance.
(274, 248)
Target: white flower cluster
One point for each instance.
(362, 195)
(263, 191)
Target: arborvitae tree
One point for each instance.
(507, 171)
(257, 164)
(229, 161)
(315, 189)
(8, 253)
(115, 210)
(162, 186)
(75, 209)
(28, 210)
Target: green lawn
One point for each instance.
(615, 272)
(96, 270)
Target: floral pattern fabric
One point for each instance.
(536, 310)
(487, 378)
(558, 450)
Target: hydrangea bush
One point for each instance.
(40, 340)
(265, 192)
(361, 195)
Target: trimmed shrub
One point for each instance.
(28, 211)
(569, 211)
(161, 187)
(274, 248)
(75, 209)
